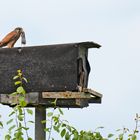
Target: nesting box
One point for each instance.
(53, 68)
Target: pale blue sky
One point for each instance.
(115, 24)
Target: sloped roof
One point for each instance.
(86, 44)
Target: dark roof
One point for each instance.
(87, 44)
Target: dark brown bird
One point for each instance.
(10, 39)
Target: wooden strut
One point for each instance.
(40, 115)
(65, 95)
(86, 94)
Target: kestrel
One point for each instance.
(10, 39)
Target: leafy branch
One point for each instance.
(68, 132)
(18, 112)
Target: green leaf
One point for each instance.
(30, 138)
(134, 137)
(21, 98)
(19, 71)
(18, 135)
(30, 111)
(110, 135)
(47, 129)
(118, 129)
(12, 127)
(64, 125)
(19, 74)
(25, 128)
(19, 109)
(20, 117)
(56, 128)
(17, 82)
(56, 119)
(50, 114)
(15, 77)
(1, 124)
(31, 122)
(19, 128)
(7, 137)
(23, 103)
(20, 124)
(44, 121)
(10, 121)
(75, 136)
(63, 132)
(67, 136)
(25, 79)
(13, 112)
(136, 131)
(100, 127)
(21, 90)
(121, 136)
(61, 112)
(69, 128)
(54, 102)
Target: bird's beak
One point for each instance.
(23, 38)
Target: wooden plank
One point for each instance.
(92, 92)
(65, 95)
(31, 98)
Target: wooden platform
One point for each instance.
(66, 99)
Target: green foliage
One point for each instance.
(68, 132)
(1, 124)
(17, 122)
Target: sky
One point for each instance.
(115, 71)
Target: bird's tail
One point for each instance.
(23, 38)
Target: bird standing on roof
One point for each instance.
(10, 39)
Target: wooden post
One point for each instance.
(40, 114)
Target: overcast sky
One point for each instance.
(115, 24)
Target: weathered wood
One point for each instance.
(66, 99)
(96, 100)
(68, 103)
(48, 68)
(92, 92)
(81, 103)
(65, 95)
(40, 115)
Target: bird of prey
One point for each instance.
(10, 39)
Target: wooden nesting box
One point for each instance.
(53, 68)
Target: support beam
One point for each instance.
(40, 114)
(67, 99)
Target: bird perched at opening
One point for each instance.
(10, 39)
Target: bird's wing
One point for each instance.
(9, 37)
